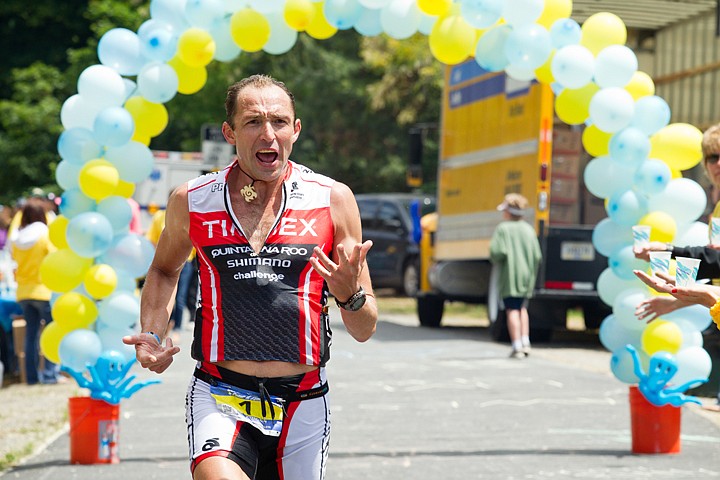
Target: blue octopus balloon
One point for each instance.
(108, 378)
(653, 384)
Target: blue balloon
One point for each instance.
(612, 109)
(652, 177)
(133, 161)
(157, 82)
(651, 114)
(282, 37)
(615, 66)
(73, 202)
(481, 13)
(89, 234)
(697, 315)
(225, 47)
(528, 46)
(565, 31)
(400, 19)
(129, 252)
(573, 66)
(623, 262)
(342, 14)
(623, 367)
(158, 41)
(202, 13)
(79, 349)
(609, 237)
(614, 336)
(119, 48)
(490, 49)
(125, 281)
(627, 207)
(603, 176)
(610, 286)
(111, 339)
(77, 145)
(121, 310)
(118, 212)
(629, 146)
(369, 23)
(114, 126)
(66, 175)
(171, 12)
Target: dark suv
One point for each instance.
(386, 220)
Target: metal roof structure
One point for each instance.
(644, 14)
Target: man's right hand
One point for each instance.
(644, 253)
(150, 354)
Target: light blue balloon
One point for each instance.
(226, 49)
(691, 336)
(73, 202)
(118, 212)
(121, 310)
(400, 19)
(625, 305)
(519, 13)
(520, 73)
(615, 66)
(114, 126)
(629, 146)
(369, 4)
(202, 13)
(481, 13)
(89, 234)
(125, 281)
(111, 339)
(130, 88)
(119, 49)
(490, 49)
(614, 336)
(130, 252)
(565, 31)
(282, 37)
(608, 237)
(342, 14)
(267, 6)
(101, 85)
(693, 234)
(623, 366)
(573, 66)
(77, 145)
(696, 315)
(79, 349)
(158, 82)
(612, 109)
(134, 161)
(610, 286)
(683, 199)
(369, 23)
(158, 40)
(623, 262)
(652, 177)
(603, 176)
(651, 114)
(693, 363)
(528, 46)
(66, 175)
(171, 12)
(427, 22)
(627, 207)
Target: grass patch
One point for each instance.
(408, 306)
(11, 458)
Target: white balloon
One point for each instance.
(101, 85)
(683, 199)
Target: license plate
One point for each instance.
(577, 251)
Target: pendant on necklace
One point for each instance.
(249, 193)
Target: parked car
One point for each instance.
(386, 220)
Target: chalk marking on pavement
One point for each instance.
(589, 431)
(547, 401)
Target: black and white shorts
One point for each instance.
(273, 428)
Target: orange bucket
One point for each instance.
(94, 431)
(654, 429)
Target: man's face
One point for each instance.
(264, 131)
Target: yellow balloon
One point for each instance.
(640, 85)
(554, 10)
(56, 231)
(602, 30)
(144, 139)
(98, 179)
(596, 141)
(319, 28)
(543, 73)
(63, 270)
(125, 189)
(73, 310)
(678, 145)
(190, 79)
(451, 38)
(150, 118)
(50, 339)
(661, 335)
(100, 280)
(298, 14)
(249, 29)
(434, 7)
(662, 226)
(196, 47)
(675, 174)
(573, 105)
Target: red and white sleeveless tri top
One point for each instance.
(267, 306)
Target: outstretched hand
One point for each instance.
(659, 282)
(150, 354)
(698, 293)
(342, 278)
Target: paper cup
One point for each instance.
(715, 231)
(686, 271)
(660, 262)
(641, 236)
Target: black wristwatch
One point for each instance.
(354, 303)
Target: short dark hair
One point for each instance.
(255, 81)
(33, 211)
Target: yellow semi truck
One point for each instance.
(499, 135)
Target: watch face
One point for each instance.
(356, 303)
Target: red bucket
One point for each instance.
(654, 429)
(94, 431)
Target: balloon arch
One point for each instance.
(119, 108)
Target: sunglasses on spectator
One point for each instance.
(712, 158)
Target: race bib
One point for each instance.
(247, 406)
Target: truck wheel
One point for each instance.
(594, 314)
(411, 279)
(430, 310)
(498, 327)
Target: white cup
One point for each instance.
(715, 231)
(660, 262)
(641, 236)
(686, 271)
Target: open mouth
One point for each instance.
(266, 155)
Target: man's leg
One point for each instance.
(515, 331)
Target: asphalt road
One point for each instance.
(416, 403)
